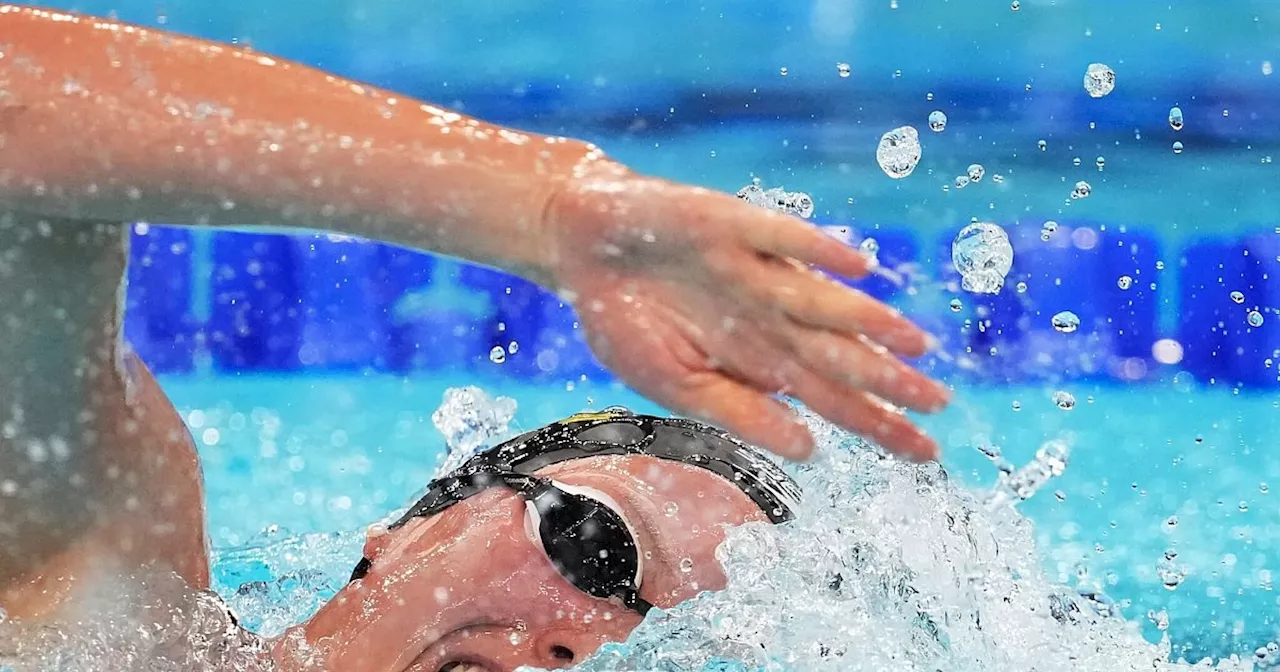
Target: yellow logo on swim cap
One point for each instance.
(606, 414)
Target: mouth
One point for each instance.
(463, 666)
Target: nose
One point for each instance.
(559, 648)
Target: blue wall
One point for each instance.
(285, 302)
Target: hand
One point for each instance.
(708, 305)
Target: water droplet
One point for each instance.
(1015, 5)
(1177, 147)
(1124, 282)
(1064, 400)
(899, 152)
(843, 70)
(671, 509)
(1101, 162)
(789, 202)
(869, 247)
(1066, 322)
(1255, 318)
(962, 181)
(1175, 118)
(1238, 297)
(1042, 145)
(1099, 80)
(686, 565)
(956, 305)
(497, 355)
(983, 256)
(937, 121)
(783, 72)
(1081, 190)
(976, 171)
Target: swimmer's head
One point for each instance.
(538, 551)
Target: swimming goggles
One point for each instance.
(585, 536)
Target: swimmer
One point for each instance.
(707, 305)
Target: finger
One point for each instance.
(744, 411)
(782, 236)
(815, 301)
(865, 415)
(850, 362)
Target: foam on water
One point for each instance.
(890, 566)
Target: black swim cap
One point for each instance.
(617, 431)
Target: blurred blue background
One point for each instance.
(308, 366)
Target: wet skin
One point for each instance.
(705, 304)
(472, 584)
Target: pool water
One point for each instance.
(296, 466)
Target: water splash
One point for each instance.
(470, 419)
(890, 565)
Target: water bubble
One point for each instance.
(1048, 229)
(937, 121)
(1101, 162)
(1255, 318)
(1060, 495)
(1017, 405)
(1015, 5)
(1243, 506)
(983, 256)
(1177, 147)
(869, 247)
(670, 509)
(1064, 400)
(1264, 488)
(962, 181)
(497, 355)
(1170, 523)
(686, 565)
(1237, 297)
(1124, 282)
(1021, 287)
(1066, 322)
(1099, 80)
(976, 171)
(843, 69)
(956, 305)
(1076, 162)
(513, 348)
(1081, 190)
(782, 71)
(1042, 145)
(1175, 118)
(997, 178)
(899, 152)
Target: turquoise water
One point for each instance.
(330, 454)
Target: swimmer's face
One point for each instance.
(472, 584)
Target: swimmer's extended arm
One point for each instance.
(104, 120)
(700, 301)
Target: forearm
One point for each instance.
(109, 121)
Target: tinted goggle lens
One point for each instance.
(588, 542)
